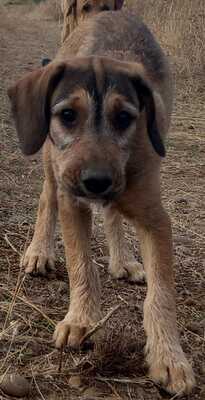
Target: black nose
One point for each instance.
(97, 182)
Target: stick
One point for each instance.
(100, 324)
(60, 361)
(28, 303)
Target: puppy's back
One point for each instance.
(123, 36)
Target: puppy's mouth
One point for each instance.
(103, 198)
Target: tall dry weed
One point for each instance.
(179, 26)
(51, 9)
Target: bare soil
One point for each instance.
(30, 307)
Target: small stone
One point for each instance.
(75, 382)
(91, 393)
(14, 385)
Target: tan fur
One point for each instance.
(137, 81)
(40, 255)
(121, 264)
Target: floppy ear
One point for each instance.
(30, 101)
(118, 4)
(147, 102)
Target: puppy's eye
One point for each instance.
(68, 116)
(105, 8)
(123, 120)
(87, 8)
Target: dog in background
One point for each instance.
(76, 10)
(102, 112)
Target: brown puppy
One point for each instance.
(74, 10)
(122, 263)
(103, 122)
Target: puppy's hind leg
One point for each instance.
(122, 264)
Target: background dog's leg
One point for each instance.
(165, 356)
(40, 256)
(84, 309)
(122, 263)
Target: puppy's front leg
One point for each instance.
(39, 257)
(84, 309)
(165, 356)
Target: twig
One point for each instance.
(9, 350)
(37, 387)
(19, 280)
(23, 338)
(124, 380)
(28, 303)
(123, 300)
(113, 390)
(11, 245)
(192, 333)
(177, 395)
(60, 361)
(100, 324)
(5, 331)
(14, 296)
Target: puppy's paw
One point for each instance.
(38, 259)
(174, 373)
(70, 333)
(132, 271)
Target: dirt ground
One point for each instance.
(30, 307)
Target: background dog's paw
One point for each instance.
(177, 377)
(38, 260)
(133, 271)
(69, 334)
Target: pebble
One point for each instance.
(91, 393)
(75, 382)
(14, 385)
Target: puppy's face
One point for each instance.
(87, 8)
(94, 111)
(93, 124)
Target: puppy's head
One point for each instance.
(100, 115)
(87, 8)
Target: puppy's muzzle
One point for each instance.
(96, 183)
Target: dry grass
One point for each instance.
(50, 9)
(179, 26)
